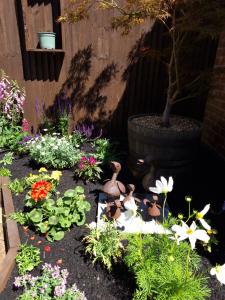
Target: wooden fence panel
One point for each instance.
(100, 72)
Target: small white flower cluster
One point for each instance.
(53, 151)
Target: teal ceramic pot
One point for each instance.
(47, 40)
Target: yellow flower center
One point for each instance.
(189, 231)
(199, 216)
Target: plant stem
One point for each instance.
(189, 210)
(187, 262)
(164, 203)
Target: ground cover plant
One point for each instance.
(27, 258)
(51, 284)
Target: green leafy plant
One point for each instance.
(104, 151)
(52, 151)
(53, 217)
(6, 160)
(164, 270)
(27, 258)
(104, 244)
(88, 169)
(17, 186)
(51, 284)
(63, 124)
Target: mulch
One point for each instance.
(206, 184)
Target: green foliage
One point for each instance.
(10, 135)
(105, 151)
(27, 258)
(6, 160)
(63, 124)
(52, 151)
(51, 284)
(165, 270)
(5, 172)
(104, 245)
(17, 186)
(53, 217)
(77, 139)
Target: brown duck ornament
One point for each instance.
(114, 188)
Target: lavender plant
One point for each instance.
(51, 284)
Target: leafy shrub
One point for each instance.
(164, 270)
(52, 217)
(54, 152)
(10, 135)
(27, 258)
(51, 284)
(88, 169)
(104, 150)
(6, 160)
(104, 244)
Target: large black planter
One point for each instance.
(168, 148)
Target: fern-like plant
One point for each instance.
(104, 244)
(165, 270)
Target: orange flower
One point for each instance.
(40, 190)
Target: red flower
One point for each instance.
(81, 165)
(40, 190)
(47, 248)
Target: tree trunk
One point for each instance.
(166, 114)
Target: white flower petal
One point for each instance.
(170, 184)
(205, 224)
(193, 226)
(155, 190)
(205, 209)
(202, 235)
(192, 240)
(213, 271)
(164, 181)
(159, 185)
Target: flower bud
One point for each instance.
(188, 198)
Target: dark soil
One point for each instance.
(205, 183)
(177, 123)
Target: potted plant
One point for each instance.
(169, 140)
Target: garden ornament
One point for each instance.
(114, 188)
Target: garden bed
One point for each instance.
(95, 281)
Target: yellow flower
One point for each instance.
(56, 175)
(42, 170)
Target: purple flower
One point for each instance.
(59, 290)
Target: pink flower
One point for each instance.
(81, 165)
(83, 158)
(92, 160)
(25, 125)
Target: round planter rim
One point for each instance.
(197, 122)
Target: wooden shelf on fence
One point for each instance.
(46, 50)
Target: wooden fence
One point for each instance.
(99, 72)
